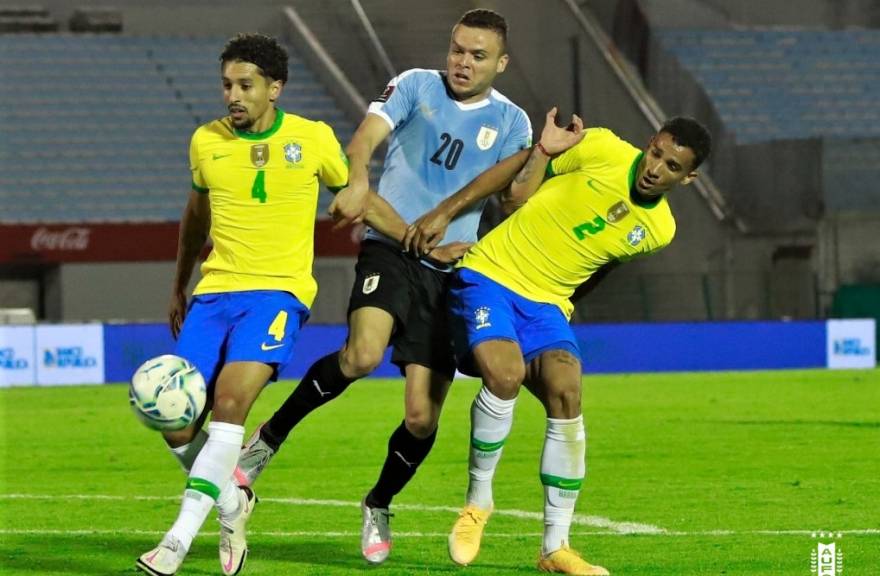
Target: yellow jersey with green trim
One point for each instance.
(263, 191)
(582, 217)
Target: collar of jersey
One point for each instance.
(634, 196)
(461, 105)
(279, 116)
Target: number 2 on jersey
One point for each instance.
(258, 190)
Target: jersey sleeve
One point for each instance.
(397, 101)
(520, 136)
(588, 152)
(333, 171)
(198, 181)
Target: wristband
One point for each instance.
(540, 147)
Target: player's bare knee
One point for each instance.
(504, 382)
(229, 408)
(420, 424)
(358, 360)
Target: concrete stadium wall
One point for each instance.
(810, 13)
(141, 291)
(707, 272)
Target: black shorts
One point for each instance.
(415, 295)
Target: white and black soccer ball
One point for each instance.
(167, 393)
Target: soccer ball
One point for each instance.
(167, 393)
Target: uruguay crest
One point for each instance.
(371, 282)
(293, 152)
(486, 137)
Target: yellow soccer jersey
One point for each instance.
(263, 190)
(581, 218)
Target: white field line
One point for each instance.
(612, 528)
(578, 519)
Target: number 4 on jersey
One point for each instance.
(258, 190)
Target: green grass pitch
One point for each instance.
(688, 474)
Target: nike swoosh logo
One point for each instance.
(266, 347)
(219, 156)
(152, 556)
(590, 184)
(568, 485)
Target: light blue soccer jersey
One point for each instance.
(439, 144)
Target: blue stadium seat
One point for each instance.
(801, 83)
(101, 127)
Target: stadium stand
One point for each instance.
(785, 84)
(103, 123)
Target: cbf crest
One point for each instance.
(636, 235)
(259, 155)
(481, 315)
(293, 152)
(486, 137)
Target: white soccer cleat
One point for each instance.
(163, 560)
(233, 538)
(254, 456)
(375, 534)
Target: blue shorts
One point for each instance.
(483, 309)
(252, 326)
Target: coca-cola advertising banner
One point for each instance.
(55, 243)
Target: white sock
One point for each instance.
(227, 502)
(562, 473)
(491, 418)
(212, 468)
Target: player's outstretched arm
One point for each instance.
(194, 226)
(351, 203)
(382, 217)
(554, 140)
(449, 253)
(426, 232)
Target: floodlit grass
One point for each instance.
(718, 474)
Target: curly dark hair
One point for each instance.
(688, 132)
(488, 20)
(262, 51)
